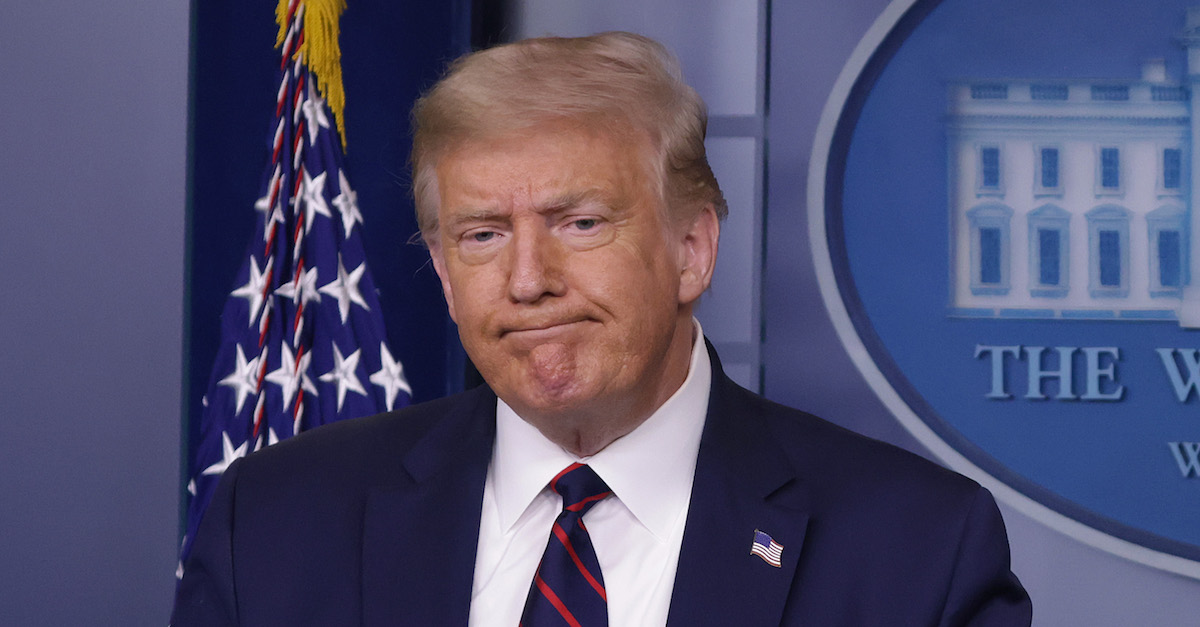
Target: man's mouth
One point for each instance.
(544, 331)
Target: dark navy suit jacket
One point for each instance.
(375, 522)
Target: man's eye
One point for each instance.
(483, 236)
(584, 224)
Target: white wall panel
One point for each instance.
(714, 39)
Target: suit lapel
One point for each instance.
(743, 482)
(420, 535)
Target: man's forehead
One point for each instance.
(558, 166)
(580, 130)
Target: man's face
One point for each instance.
(571, 291)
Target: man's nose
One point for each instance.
(535, 271)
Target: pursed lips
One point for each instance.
(536, 333)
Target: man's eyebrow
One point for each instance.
(474, 214)
(572, 199)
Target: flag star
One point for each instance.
(347, 204)
(276, 216)
(343, 374)
(292, 375)
(228, 455)
(270, 438)
(263, 204)
(390, 376)
(244, 378)
(273, 213)
(314, 199)
(314, 112)
(255, 288)
(345, 288)
(303, 289)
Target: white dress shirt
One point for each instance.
(637, 533)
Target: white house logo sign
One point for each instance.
(1002, 215)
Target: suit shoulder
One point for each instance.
(843, 457)
(360, 445)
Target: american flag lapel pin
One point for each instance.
(767, 548)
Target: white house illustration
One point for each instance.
(1072, 199)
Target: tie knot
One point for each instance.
(580, 488)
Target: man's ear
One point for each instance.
(698, 255)
(439, 266)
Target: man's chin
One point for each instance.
(552, 369)
(562, 400)
(555, 397)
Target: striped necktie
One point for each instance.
(568, 588)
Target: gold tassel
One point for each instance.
(320, 49)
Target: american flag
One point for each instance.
(767, 548)
(302, 336)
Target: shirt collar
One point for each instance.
(663, 447)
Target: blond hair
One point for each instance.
(608, 78)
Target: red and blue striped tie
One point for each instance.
(568, 588)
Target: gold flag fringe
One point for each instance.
(320, 49)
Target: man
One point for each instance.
(570, 213)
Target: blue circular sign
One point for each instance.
(1001, 212)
